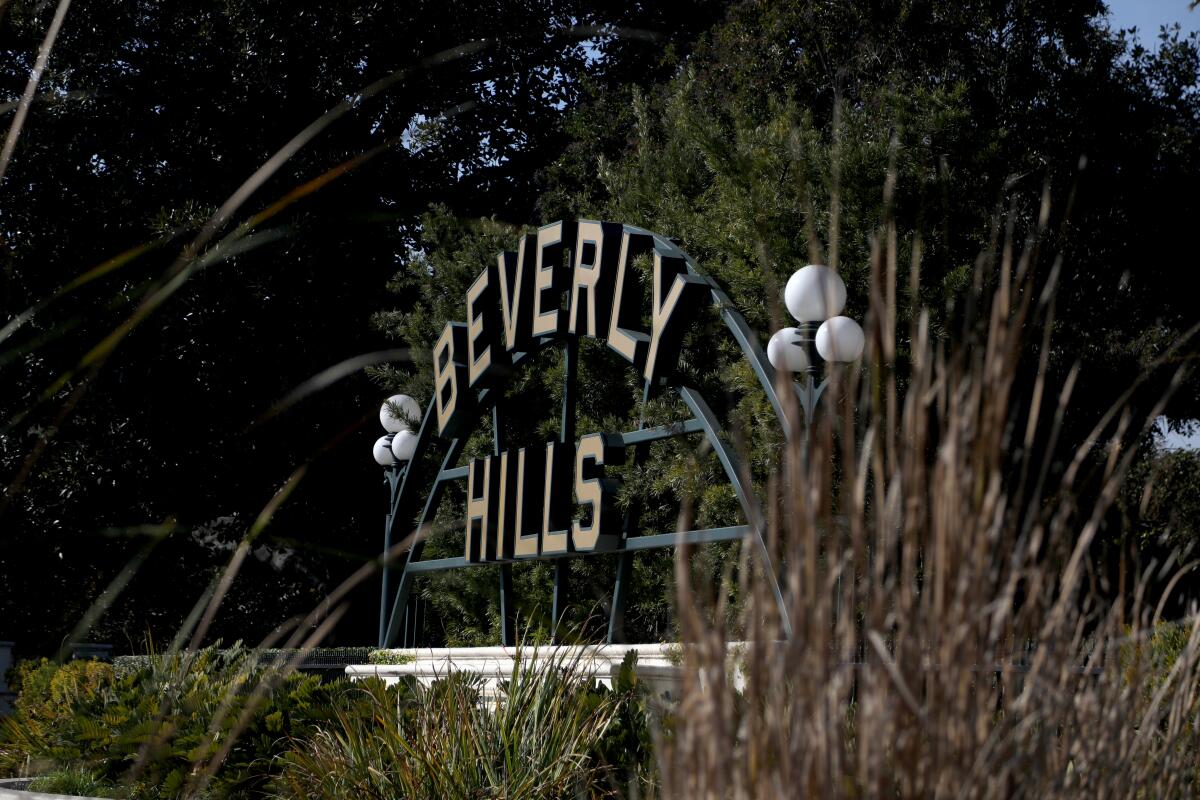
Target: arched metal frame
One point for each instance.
(393, 616)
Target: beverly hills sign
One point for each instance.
(567, 281)
(517, 501)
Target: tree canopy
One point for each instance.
(764, 135)
(809, 132)
(146, 122)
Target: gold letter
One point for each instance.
(592, 489)
(596, 252)
(516, 284)
(674, 288)
(481, 510)
(627, 306)
(479, 359)
(528, 495)
(549, 279)
(448, 374)
(506, 504)
(555, 538)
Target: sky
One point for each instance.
(1148, 15)
(1171, 440)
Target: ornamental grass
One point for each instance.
(953, 634)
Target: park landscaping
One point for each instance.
(226, 235)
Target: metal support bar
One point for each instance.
(508, 621)
(750, 506)
(418, 606)
(705, 536)
(621, 585)
(508, 609)
(652, 541)
(661, 432)
(440, 565)
(558, 606)
(392, 477)
(414, 552)
(616, 616)
(566, 428)
(566, 435)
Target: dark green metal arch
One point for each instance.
(402, 481)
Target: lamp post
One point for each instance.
(815, 295)
(393, 451)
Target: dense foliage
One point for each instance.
(146, 426)
(954, 135)
(211, 724)
(210, 720)
(951, 159)
(154, 447)
(547, 733)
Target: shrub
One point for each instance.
(210, 720)
(390, 657)
(543, 735)
(73, 781)
(48, 698)
(213, 723)
(628, 747)
(928, 531)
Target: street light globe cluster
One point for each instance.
(399, 443)
(815, 295)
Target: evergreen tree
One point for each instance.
(796, 131)
(147, 120)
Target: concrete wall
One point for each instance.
(658, 665)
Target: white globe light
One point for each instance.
(840, 339)
(383, 451)
(404, 445)
(814, 293)
(394, 424)
(786, 351)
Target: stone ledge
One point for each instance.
(494, 664)
(658, 666)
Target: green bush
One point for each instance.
(73, 781)
(210, 720)
(214, 723)
(129, 665)
(1146, 661)
(390, 657)
(550, 732)
(627, 746)
(49, 692)
(48, 698)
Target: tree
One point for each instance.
(797, 131)
(148, 119)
